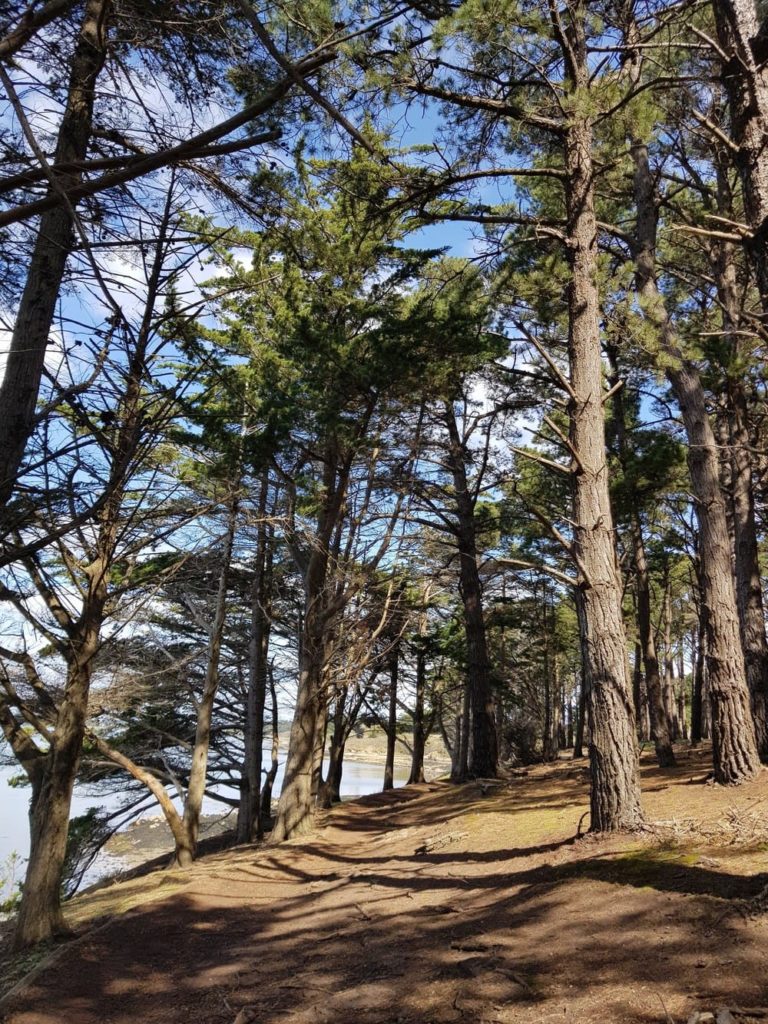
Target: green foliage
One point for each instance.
(11, 871)
(335, 315)
(86, 836)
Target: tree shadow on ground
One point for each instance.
(335, 928)
(381, 957)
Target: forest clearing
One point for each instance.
(442, 904)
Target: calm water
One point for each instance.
(358, 780)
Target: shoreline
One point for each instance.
(149, 838)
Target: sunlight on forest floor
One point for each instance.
(441, 904)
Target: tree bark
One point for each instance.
(419, 733)
(296, 805)
(660, 726)
(733, 735)
(697, 690)
(329, 791)
(269, 780)
(581, 715)
(551, 746)
(734, 748)
(460, 755)
(193, 805)
(745, 78)
(682, 705)
(615, 793)
(389, 763)
(670, 704)
(258, 655)
(749, 591)
(637, 688)
(40, 915)
(482, 754)
(53, 246)
(321, 733)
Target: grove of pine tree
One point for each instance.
(392, 365)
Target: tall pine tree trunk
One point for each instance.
(615, 793)
(749, 591)
(53, 246)
(330, 790)
(294, 814)
(297, 797)
(419, 731)
(269, 779)
(660, 728)
(734, 748)
(668, 688)
(258, 655)
(482, 755)
(745, 78)
(659, 718)
(389, 763)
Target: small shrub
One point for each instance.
(11, 871)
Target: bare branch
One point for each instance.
(30, 23)
(519, 563)
(165, 157)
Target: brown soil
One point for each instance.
(440, 904)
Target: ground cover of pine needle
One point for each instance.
(441, 904)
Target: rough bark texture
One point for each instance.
(40, 915)
(749, 591)
(29, 341)
(615, 794)
(733, 735)
(297, 799)
(734, 749)
(745, 78)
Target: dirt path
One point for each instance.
(437, 904)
